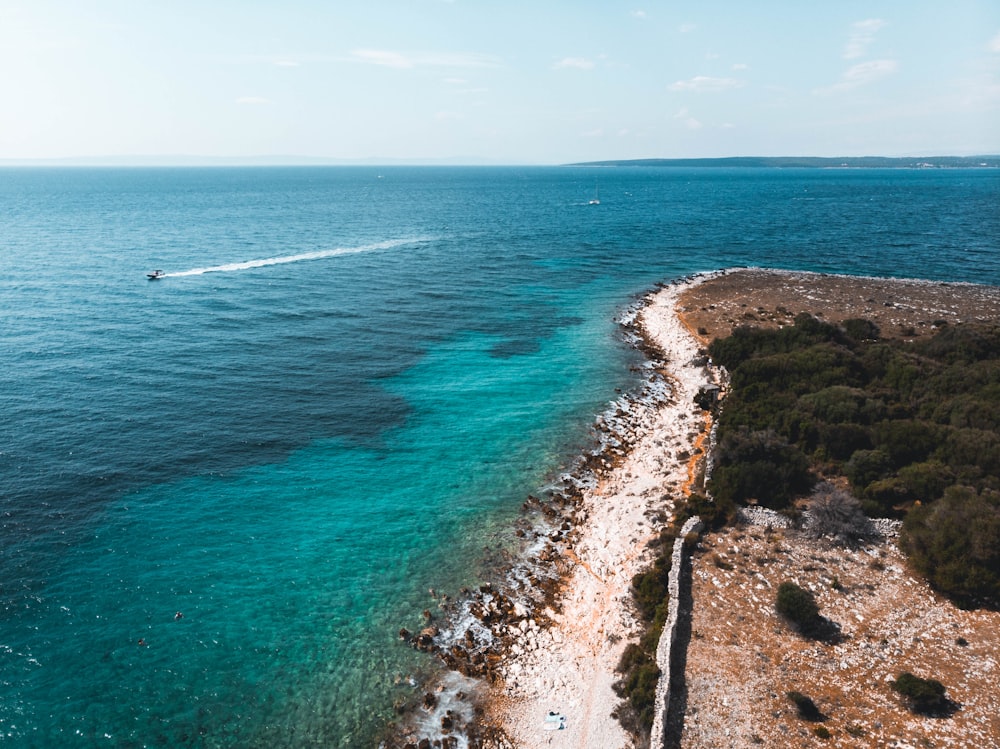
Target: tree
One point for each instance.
(955, 543)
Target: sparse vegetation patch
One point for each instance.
(926, 696)
(806, 707)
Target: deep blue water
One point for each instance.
(338, 397)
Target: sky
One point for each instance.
(484, 81)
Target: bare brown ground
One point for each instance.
(764, 298)
(742, 659)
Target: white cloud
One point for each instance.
(456, 60)
(686, 28)
(598, 133)
(577, 63)
(442, 116)
(286, 63)
(400, 61)
(253, 100)
(866, 72)
(382, 57)
(995, 43)
(861, 75)
(689, 122)
(862, 36)
(465, 87)
(705, 83)
(741, 66)
(638, 14)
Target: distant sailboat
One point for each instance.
(596, 200)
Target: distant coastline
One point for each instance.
(285, 160)
(816, 162)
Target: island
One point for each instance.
(813, 162)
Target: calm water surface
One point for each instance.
(337, 398)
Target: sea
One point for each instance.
(223, 492)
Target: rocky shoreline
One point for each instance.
(542, 640)
(515, 646)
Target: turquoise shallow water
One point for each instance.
(338, 400)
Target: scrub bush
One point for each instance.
(806, 707)
(955, 543)
(837, 514)
(923, 695)
(797, 605)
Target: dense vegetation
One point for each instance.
(914, 427)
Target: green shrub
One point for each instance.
(632, 656)
(797, 605)
(836, 404)
(926, 482)
(866, 466)
(955, 543)
(638, 689)
(841, 441)
(802, 371)
(759, 465)
(715, 513)
(641, 687)
(806, 707)
(649, 587)
(972, 447)
(887, 497)
(962, 344)
(906, 441)
(861, 330)
(923, 695)
(638, 661)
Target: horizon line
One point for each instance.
(189, 160)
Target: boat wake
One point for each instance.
(317, 255)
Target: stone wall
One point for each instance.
(761, 516)
(668, 639)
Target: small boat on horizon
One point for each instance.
(156, 274)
